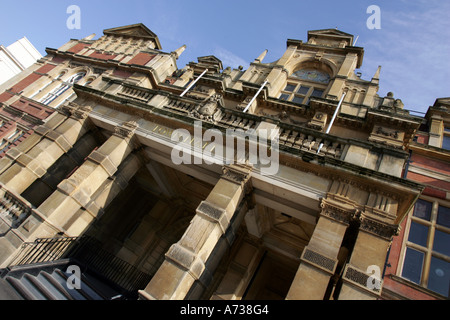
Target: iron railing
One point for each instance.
(87, 252)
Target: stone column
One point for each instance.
(346, 68)
(31, 159)
(362, 275)
(239, 273)
(320, 257)
(185, 261)
(79, 190)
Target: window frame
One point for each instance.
(298, 84)
(428, 252)
(446, 135)
(62, 88)
(12, 138)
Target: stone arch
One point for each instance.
(323, 65)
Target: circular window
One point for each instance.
(312, 75)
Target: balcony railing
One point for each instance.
(88, 252)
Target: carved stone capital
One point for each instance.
(76, 111)
(339, 212)
(239, 174)
(126, 130)
(379, 228)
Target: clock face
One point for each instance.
(312, 75)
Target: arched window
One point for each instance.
(62, 88)
(304, 84)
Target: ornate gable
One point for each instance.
(331, 36)
(135, 30)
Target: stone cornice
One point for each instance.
(404, 190)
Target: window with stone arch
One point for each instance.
(66, 85)
(304, 84)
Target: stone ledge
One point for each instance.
(214, 214)
(104, 161)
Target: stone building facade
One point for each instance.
(117, 160)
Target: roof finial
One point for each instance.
(261, 56)
(179, 51)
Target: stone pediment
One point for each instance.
(331, 34)
(211, 61)
(135, 30)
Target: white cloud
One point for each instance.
(413, 47)
(228, 58)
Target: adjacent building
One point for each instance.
(17, 57)
(292, 179)
(419, 261)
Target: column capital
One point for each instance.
(239, 174)
(126, 130)
(341, 212)
(377, 227)
(76, 111)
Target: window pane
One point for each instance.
(290, 87)
(441, 242)
(446, 142)
(303, 90)
(284, 96)
(298, 99)
(439, 278)
(422, 209)
(443, 217)
(317, 93)
(418, 233)
(412, 267)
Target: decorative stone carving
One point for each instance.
(208, 110)
(318, 260)
(379, 228)
(359, 278)
(339, 213)
(381, 131)
(237, 174)
(318, 122)
(126, 130)
(387, 136)
(76, 111)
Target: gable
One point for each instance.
(331, 34)
(211, 60)
(135, 30)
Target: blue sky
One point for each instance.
(412, 46)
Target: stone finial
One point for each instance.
(90, 37)
(179, 51)
(261, 56)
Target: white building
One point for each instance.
(16, 57)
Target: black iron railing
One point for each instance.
(87, 252)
